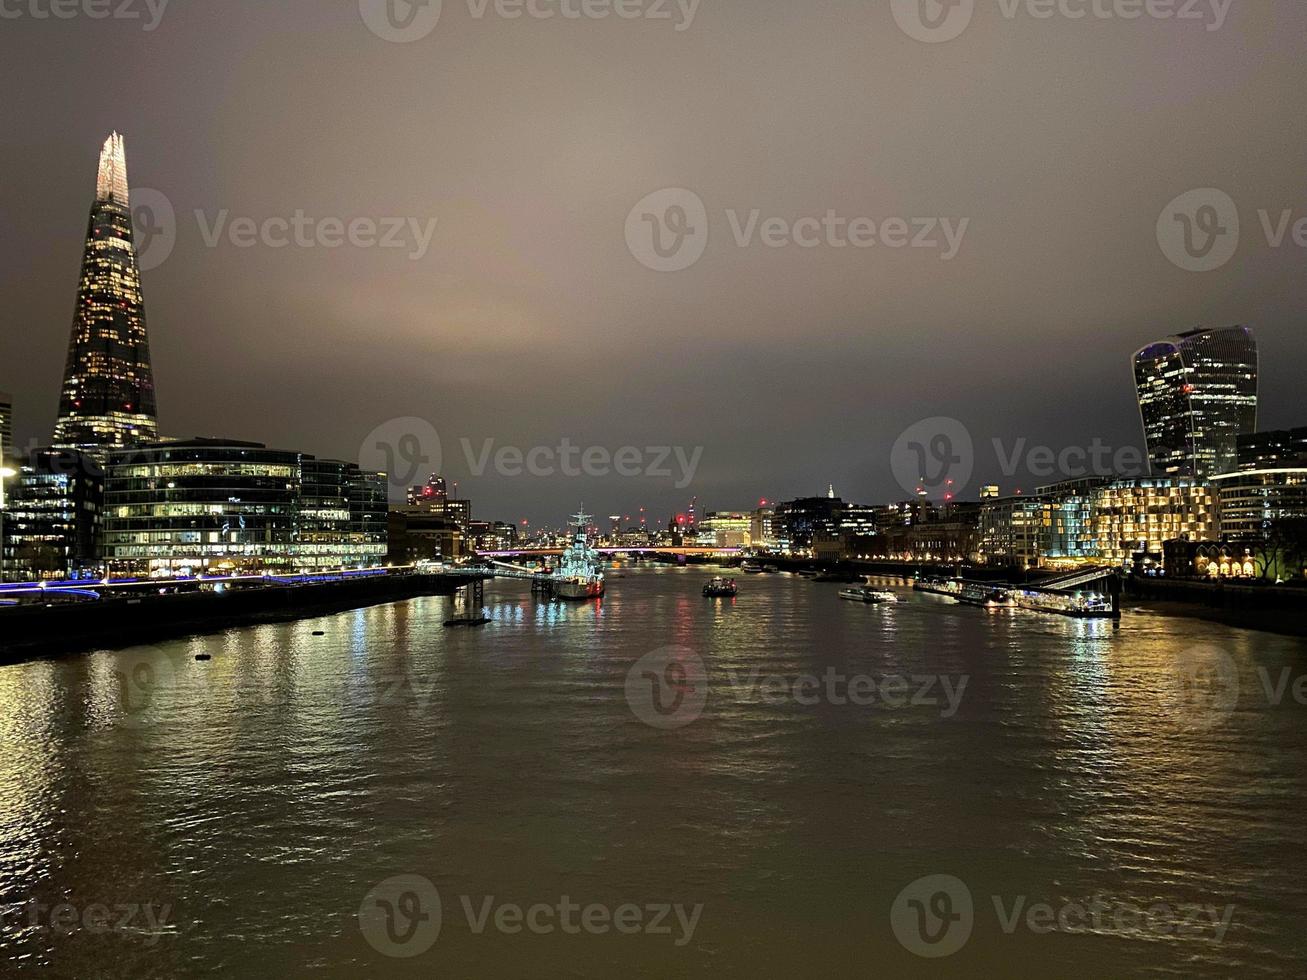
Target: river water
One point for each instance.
(662, 785)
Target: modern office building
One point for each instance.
(803, 522)
(1197, 395)
(108, 396)
(52, 518)
(726, 529)
(6, 425)
(220, 506)
(1268, 487)
(1014, 531)
(1273, 450)
(1254, 502)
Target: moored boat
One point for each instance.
(1078, 605)
(580, 573)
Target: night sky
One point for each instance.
(528, 320)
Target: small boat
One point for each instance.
(751, 568)
(203, 658)
(771, 569)
(721, 588)
(808, 573)
(872, 597)
(469, 623)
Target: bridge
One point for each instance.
(555, 552)
(1073, 580)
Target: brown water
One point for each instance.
(240, 814)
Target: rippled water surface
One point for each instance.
(253, 802)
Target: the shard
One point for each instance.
(108, 392)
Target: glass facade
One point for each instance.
(108, 394)
(1252, 502)
(52, 518)
(1197, 395)
(6, 425)
(209, 506)
(1094, 521)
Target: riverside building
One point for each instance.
(209, 506)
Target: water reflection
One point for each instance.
(265, 791)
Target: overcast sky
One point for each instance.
(528, 318)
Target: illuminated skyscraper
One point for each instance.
(6, 425)
(1197, 395)
(108, 393)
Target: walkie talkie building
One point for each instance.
(108, 393)
(1197, 395)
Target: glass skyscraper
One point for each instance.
(108, 394)
(1197, 395)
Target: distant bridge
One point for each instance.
(555, 552)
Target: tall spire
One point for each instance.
(111, 184)
(108, 395)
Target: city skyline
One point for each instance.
(528, 294)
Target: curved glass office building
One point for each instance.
(1197, 395)
(220, 506)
